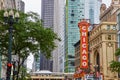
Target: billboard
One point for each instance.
(83, 26)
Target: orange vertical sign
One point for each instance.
(83, 25)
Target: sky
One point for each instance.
(107, 2)
(31, 5)
(35, 6)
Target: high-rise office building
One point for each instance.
(41, 63)
(47, 13)
(45, 64)
(47, 16)
(59, 29)
(94, 11)
(75, 11)
(53, 16)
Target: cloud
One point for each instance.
(107, 2)
(33, 5)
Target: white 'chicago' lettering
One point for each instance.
(84, 39)
(84, 34)
(84, 51)
(84, 45)
(84, 28)
(84, 57)
(84, 64)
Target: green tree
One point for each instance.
(29, 36)
(115, 65)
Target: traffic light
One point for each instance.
(9, 66)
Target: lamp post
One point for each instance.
(10, 20)
(96, 69)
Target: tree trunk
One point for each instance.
(19, 66)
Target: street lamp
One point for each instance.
(10, 20)
(96, 69)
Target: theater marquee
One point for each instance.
(83, 25)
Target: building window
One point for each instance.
(109, 37)
(72, 14)
(71, 56)
(71, 22)
(114, 27)
(80, 11)
(72, 10)
(71, 63)
(108, 27)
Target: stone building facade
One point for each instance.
(109, 14)
(103, 41)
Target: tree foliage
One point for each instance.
(117, 53)
(115, 65)
(29, 36)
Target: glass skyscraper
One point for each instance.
(47, 16)
(47, 13)
(94, 11)
(59, 29)
(75, 11)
